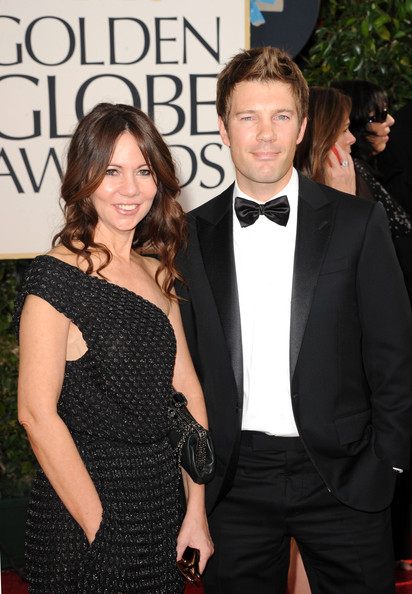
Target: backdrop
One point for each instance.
(59, 58)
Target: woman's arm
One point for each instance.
(43, 344)
(194, 531)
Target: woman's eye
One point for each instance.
(111, 171)
(144, 172)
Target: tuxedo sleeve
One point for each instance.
(385, 316)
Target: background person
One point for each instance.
(395, 163)
(101, 342)
(370, 123)
(324, 153)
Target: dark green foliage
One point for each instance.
(363, 40)
(17, 460)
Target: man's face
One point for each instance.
(262, 133)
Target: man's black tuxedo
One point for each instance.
(350, 342)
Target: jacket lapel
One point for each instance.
(215, 234)
(314, 226)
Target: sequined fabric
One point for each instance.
(400, 222)
(114, 402)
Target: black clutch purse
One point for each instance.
(189, 566)
(192, 443)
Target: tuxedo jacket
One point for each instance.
(350, 341)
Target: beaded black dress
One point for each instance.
(114, 402)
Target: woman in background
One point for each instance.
(370, 123)
(101, 342)
(324, 153)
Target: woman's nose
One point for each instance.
(130, 186)
(351, 139)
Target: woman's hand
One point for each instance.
(194, 533)
(94, 526)
(340, 172)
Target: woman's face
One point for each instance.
(346, 138)
(380, 123)
(126, 193)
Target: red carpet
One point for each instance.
(403, 582)
(12, 584)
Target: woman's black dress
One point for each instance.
(114, 402)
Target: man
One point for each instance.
(299, 326)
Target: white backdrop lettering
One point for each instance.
(59, 58)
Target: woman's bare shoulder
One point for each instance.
(60, 252)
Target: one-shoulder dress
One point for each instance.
(114, 401)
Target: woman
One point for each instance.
(324, 153)
(101, 342)
(370, 123)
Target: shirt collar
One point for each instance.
(290, 190)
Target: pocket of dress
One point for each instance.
(99, 536)
(94, 559)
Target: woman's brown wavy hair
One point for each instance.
(163, 230)
(329, 110)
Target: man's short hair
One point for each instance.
(262, 64)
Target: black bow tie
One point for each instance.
(276, 210)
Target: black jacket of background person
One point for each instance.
(350, 341)
(395, 162)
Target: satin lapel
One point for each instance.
(314, 227)
(216, 243)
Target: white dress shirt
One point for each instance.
(264, 254)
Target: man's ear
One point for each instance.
(223, 132)
(302, 131)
